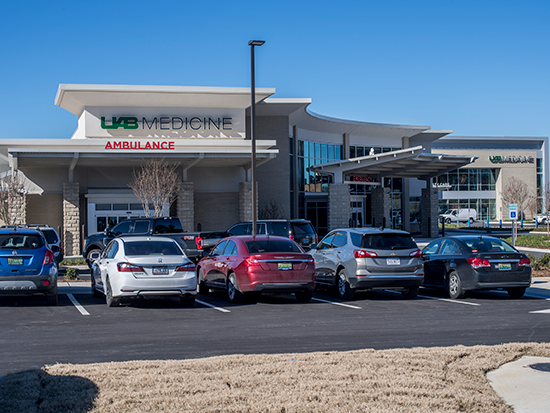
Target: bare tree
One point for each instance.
(156, 184)
(13, 197)
(515, 191)
(271, 210)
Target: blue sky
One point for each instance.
(476, 67)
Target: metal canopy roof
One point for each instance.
(404, 163)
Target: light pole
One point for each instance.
(252, 44)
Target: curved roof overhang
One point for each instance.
(404, 163)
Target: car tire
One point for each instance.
(187, 300)
(454, 286)
(88, 255)
(345, 292)
(109, 299)
(410, 293)
(471, 220)
(202, 289)
(235, 296)
(544, 221)
(447, 220)
(516, 292)
(95, 293)
(304, 296)
(52, 299)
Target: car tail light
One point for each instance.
(291, 237)
(364, 254)
(186, 267)
(253, 260)
(478, 262)
(311, 260)
(127, 267)
(48, 258)
(417, 253)
(198, 241)
(525, 262)
(316, 239)
(45, 282)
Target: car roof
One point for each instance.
(22, 231)
(471, 236)
(149, 238)
(246, 238)
(371, 230)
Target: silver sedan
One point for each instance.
(353, 259)
(143, 266)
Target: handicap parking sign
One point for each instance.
(513, 211)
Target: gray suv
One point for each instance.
(353, 259)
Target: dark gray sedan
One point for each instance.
(353, 259)
(462, 263)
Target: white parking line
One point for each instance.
(77, 305)
(539, 312)
(335, 303)
(223, 310)
(437, 298)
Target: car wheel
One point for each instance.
(89, 255)
(202, 289)
(455, 286)
(515, 292)
(187, 301)
(410, 292)
(471, 220)
(345, 291)
(544, 221)
(304, 296)
(109, 299)
(235, 296)
(447, 220)
(52, 299)
(95, 293)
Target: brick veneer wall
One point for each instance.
(186, 206)
(245, 201)
(381, 206)
(71, 218)
(338, 206)
(429, 207)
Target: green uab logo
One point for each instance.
(120, 122)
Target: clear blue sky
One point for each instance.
(476, 67)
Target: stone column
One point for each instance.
(380, 207)
(245, 201)
(429, 207)
(17, 204)
(338, 206)
(71, 218)
(186, 206)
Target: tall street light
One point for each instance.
(252, 44)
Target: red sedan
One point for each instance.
(246, 265)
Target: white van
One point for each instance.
(461, 215)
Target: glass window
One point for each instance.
(324, 151)
(141, 227)
(120, 207)
(218, 249)
(230, 248)
(271, 245)
(340, 240)
(388, 241)
(480, 244)
(360, 151)
(163, 226)
(449, 248)
(331, 152)
(20, 241)
(352, 152)
(327, 241)
(102, 207)
(279, 228)
(51, 236)
(432, 248)
(113, 250)
(317, 151)
(122, 228)
(240, 229)
(137, 248)
(301, 148)
(338, 152)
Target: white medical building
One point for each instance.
(334, 172)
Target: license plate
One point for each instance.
(160, 270)
(506, 266)
(393, 261)
(285, 265)
(15, 261)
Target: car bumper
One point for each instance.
(28, 285)
(386, 281)
(128, 286)
(281, 288)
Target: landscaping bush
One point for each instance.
(71, 273)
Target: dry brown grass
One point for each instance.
(444, 379)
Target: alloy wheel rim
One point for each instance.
(342, 285)
(231, 289)
(453, 284)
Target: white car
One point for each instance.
(143, 266)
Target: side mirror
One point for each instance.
(94, 256)
(205, 253)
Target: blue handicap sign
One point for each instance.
(513, 214)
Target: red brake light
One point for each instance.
(478, 262)
(198, 241)
(48, 258)
(127, 267)
(252, 260)
(525, 262)
(186, 267)
(364, 254)
(291, 237)
(417, 253)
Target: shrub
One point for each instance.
(71, 273)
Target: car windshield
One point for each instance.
(134, 248)
(478, 244)
(270, 245)
(387, 241)
(51, 236)
(21, 241)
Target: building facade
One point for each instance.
(334, 172)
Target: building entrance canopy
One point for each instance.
(403, 163)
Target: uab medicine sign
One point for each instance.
(167, 123)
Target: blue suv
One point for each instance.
(27, 265)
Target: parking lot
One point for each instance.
(82, 329)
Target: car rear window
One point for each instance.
(487, 245)
(21, 241)
(279, 228)
(302, 228)
(164, 226)
(51, 236)
(381, 241)
(134, 248)
(261, 246)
